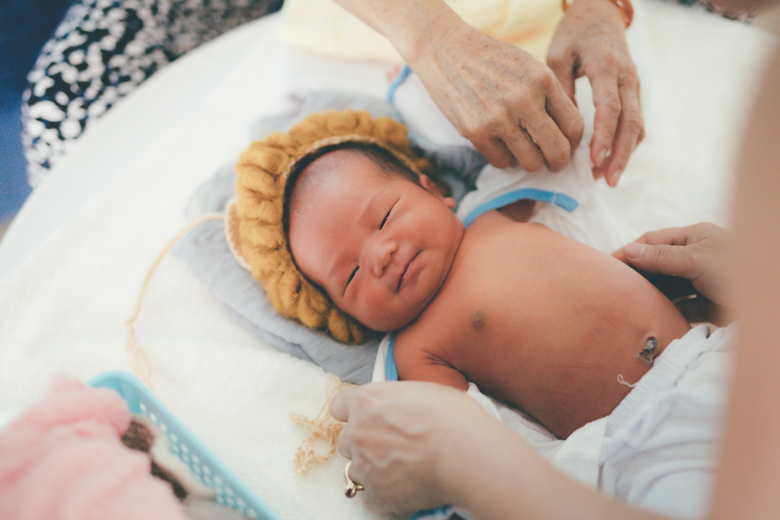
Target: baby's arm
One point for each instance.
(417, 364)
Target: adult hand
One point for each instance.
(590, 41)
(695, 253)
(396, 435)
(508, 104)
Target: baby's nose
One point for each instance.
(382, 256)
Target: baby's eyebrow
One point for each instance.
(369, 208)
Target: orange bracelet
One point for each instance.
(626, 9)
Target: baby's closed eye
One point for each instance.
(351, 276)
(354, 272)
(384, 221)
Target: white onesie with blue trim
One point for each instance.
(559, 195)
(594, 223)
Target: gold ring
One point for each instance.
(352, 486)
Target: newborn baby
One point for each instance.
(535, 319)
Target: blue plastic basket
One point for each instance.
(204, 465)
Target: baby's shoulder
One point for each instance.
(430, 337)
(425, 357)
(493, 230)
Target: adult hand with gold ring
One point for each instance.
(352, 486)
(402, 438)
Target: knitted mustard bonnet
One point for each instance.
(255, 221)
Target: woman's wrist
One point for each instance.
(414, 27)
(473, 455)
(625, 6)
(426, 32)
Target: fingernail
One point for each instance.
(615, 178)
(600, 157)
(634, 251)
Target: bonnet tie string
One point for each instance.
(139, 363)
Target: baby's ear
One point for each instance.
(431, 187)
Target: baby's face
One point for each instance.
(380, 246)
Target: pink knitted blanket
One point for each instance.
(63, 459)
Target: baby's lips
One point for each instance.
(406, 270)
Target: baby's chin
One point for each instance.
(388, 326)
(396, 312)
(393, 320)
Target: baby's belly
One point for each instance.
(555, 327)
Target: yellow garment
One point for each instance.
(258, 215)
(324, 27)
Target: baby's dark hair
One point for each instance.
(386, 162)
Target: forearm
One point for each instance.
(412, 26)
(623, 8)
(495, 475)
(747, 484)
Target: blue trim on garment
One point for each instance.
(559, 199)
(442, 513)
(391, 371)
(405, 72)
(391, 374)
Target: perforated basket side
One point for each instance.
(203, 464)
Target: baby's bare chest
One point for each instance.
(503, 300)
(525, 300)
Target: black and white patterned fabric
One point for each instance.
(101, 51)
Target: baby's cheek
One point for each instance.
(356, 304)
(375, 307)
(377, 311)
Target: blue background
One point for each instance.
(25, 25)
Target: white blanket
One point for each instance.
(74, 260)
